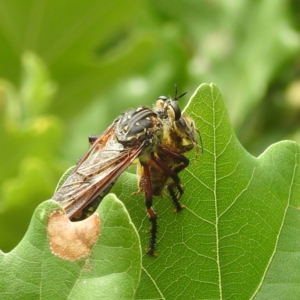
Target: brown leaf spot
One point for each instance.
(72, 240)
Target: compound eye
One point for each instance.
(181, 123)
(176, 112)
(161, 102)
(164, 98)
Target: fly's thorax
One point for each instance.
(139, 126)
(151, 145)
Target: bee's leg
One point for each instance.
(176, 192)
(171, 187)
(183, 160)
(151, 213)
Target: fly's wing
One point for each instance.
(99, 143)
(96, 172)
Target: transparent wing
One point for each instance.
(96, 173)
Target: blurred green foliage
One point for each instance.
(67, 69)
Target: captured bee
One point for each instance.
(144, 134)
(178, 138)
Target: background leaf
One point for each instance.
(69, 37)
(30, 139)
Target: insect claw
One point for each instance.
(179, 208)
(151, 252)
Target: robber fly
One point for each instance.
(135, 134)
(179, 137)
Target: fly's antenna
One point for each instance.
(176, 98)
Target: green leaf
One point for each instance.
(241, 222)
(37, 88)
(110, 271)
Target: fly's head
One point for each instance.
(167, 108)
(180, 133)
(139, 126)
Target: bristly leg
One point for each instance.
(176, 195)
(152, 241)
(175, 189)
(183, 160)
(151, 213)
